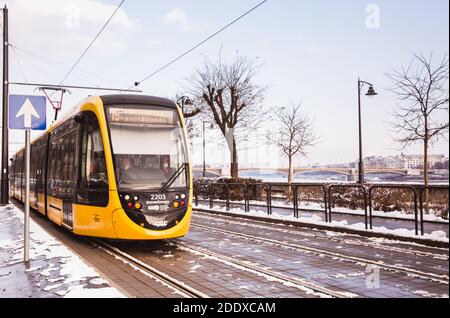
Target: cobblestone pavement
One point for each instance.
(414, 256)
(331, 271)
(217, 277)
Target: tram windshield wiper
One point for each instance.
(174, 177)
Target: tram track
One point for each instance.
(293, 281)
(443, 279)
(190, 292)
(356, 242)
(165, 279)
(184, 290)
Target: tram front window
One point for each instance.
(149, 148)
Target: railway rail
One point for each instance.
(177, 286)
(353, 241)
(294, 281)
(443, 279)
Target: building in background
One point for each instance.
(405, 162)
(417, 161)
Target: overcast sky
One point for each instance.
(313, 51)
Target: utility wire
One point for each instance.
(61, 66)
(201, 43)
(41, 60)
(20, 63)
(89, 46)
(34, 65)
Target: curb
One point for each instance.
(423, 241)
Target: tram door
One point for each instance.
(69, 175)
(61, 170)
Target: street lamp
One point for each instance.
(204, 147)
(185, 101)
(371, 93)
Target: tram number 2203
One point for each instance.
(157, 197)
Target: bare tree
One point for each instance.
(421, 113)
(295, 135)
(231, 99)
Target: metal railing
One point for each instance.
(310, 185)
(422, 191)
(238, 185)
(367, 221)
(400, 187)
(212, 186)
(250, 190)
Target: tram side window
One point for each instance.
(20, 179)
(64, 165)
(54, 178)
(11, 174)
(41, 167)
(93, 187)
(33, 170)
(68, 163)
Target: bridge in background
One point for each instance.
(349, 172)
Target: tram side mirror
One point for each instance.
(79, 119)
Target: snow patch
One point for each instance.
(314, 219)
(62, 266)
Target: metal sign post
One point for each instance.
(26, 252)
(27, 113)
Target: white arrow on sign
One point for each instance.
(27, 111)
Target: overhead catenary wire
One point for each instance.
(37, 67)
(20, 63)
(60, 87)
(90, 45)
(200, 43)
(31, 58)
(61, 66)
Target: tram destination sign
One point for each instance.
(141, 116)
(27, 112)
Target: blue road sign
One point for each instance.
(27, 112)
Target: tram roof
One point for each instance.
(137, 99)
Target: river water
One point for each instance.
(327, 177)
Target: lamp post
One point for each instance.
(204, 146)
(371, 93)
(184, 101)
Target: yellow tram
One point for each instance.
(116, 166)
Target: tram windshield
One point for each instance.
(149, 147)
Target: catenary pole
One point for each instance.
(4, 172)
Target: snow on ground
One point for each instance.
(59, 271)
(315, 219)
(382, 214)
(318, 207)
